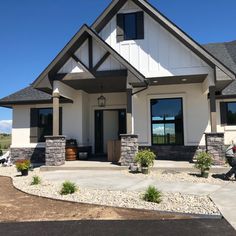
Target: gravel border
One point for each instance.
(177, 176)
(171, 202)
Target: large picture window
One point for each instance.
(231, 113)
(41, 123)
(167, 121)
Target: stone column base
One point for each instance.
(55, 150)
(216, 147)
(129, 148)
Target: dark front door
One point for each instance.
(122, 122)
(101, 127)
(99, 131)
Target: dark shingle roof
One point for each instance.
(225, 52)
(24, 96)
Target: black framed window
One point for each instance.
(45, 123)
(130, 26)
(231, 113)
(167, 121)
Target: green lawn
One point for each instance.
(5, 141)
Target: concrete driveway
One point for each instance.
(118, 180)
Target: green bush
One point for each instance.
(1, 153)
(22, 165)
(152, 195)
(145, 158)
(68, 188)
(204, 161)
(36, 180)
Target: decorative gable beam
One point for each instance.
(79, 61)
(101, 61)
(69, 51)
(90, 52)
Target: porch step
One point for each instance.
(75, 168)
(216, 170)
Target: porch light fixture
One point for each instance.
(102, 101)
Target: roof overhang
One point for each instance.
(169, 80)
(10, 104)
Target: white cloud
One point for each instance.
(5, 126)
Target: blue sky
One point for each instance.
(33, 32)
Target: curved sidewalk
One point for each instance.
(223, 195)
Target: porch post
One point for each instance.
(56, 108)
(213, 109)
(129, 112)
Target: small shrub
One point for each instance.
(36, 180)
(22, 165)
(68, 188)
(152, 195)
(204, 161)
(145, 158)
(1, 153)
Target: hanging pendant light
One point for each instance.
(102, 100)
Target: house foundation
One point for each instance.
(35, 155)
(129, 148)
(216, 147)
(55, 150)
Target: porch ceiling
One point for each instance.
(99, 85)
(168, 80)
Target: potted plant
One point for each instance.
(23, 166)
(204, 163)
(145, 158)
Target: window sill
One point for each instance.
(230, 128)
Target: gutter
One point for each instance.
(143, 89)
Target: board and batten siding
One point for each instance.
(159, 54)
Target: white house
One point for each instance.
(156, 82)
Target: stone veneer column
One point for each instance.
(55, 150)
(129, 148)
(216, 147)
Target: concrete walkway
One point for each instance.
(226, 203)
(222, 194)
(117, 180)
(182, 166)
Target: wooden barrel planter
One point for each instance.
(71, 150)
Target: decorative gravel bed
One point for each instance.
(175, 176)
(129, 199)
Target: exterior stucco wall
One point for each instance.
(77, 119)
(195, 111)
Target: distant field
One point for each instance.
(5, 141)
